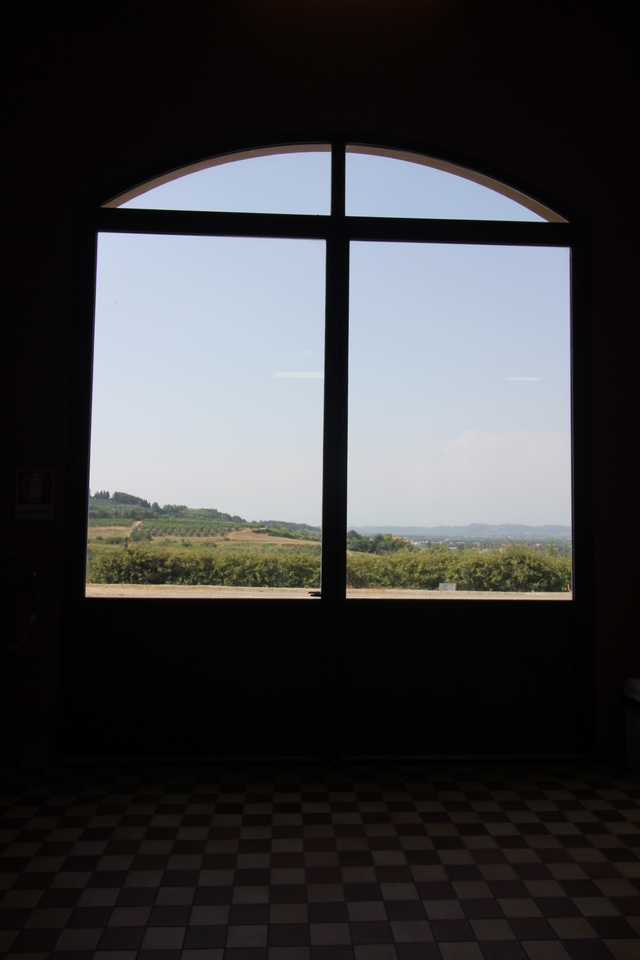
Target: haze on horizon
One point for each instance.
(209, 357)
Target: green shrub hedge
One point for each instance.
(516, 569)
(140, 563)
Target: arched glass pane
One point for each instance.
(409, 186)
(279, 182)
(460, 427)
(207, 412)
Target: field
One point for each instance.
(217, 554)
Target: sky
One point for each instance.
(208, 363)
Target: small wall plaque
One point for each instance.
(34, 495)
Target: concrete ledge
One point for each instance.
(173, 591)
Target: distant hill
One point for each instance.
(478, 531)
(103, 505)
(292, 527)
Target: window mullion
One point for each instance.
(334, 469)
(207, 224)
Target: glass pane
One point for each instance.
(459, 430)
(276, 183)
(207, 416)
(383, 186)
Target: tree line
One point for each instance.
(380, 543)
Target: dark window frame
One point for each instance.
(337, 230)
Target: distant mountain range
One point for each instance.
(484, 531)
(102, 504)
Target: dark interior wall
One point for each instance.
(547, 100)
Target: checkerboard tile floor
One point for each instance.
(337, 863)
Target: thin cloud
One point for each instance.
(524, 378)
(299, 376)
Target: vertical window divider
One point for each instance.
(334, 468)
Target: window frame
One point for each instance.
(337, 230)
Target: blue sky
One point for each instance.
(209, 357)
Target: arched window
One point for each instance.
(306, 342)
